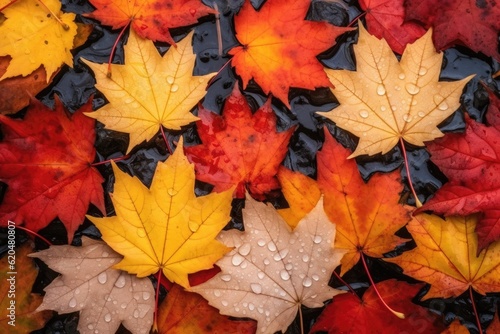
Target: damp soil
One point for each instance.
(75, 86)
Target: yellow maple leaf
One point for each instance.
(445, 257)
(32, 37)
(149, 91)
(384, 101)
(165, 227)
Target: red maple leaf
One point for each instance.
(385, 19)
(45, 160)
(279, 47)
(239, 148)
(472, 23)
(471, 162)
(151, 19)
(347, 313)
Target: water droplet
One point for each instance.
(363, 113)
(107, 317)
(174, 88)
(27, 51)
(217, 293)
(72, 302)
(225, 277)
(307, 282)
(280, 255)
(315, 277)
(77, 291)
(407, 118)
(260, 310)
(120, 282)
(261, 242)
(383, 108)
(266, 262)
(288, 266)
(172, 191)
(284, 275)
(123, 305)
(317, 239)
(394, 108)
(128, 99)
(251, 307)
(193, 226)
(170, 80)
(256, 288)
(146, 295)
(244, 265)
(271, 246)
(401, 76)
(412, 89)
(245, 249)
(260, 275)
(422, 71)
(237, 259)
(102, 278)
(421, 114)
(136, 314)
(90, 326)
(141, 233)
(224, 303)
(305, 258)
(443, 106)
(105, 254)
(413, 102)
(380, 90)
(192, 11)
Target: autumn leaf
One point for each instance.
(385, 19)
(150, 19)
(32, 37)
(366, 215)
(348, 313)
(16, 92)
(471, 162)
(186, 312)
(383, 100)
(165, 227)
(279, 51)
(494, 326)
(452, 22)
(149, 91)
(456, 328)
(105, 297)
(46, 160)
(22, 313)
(445, 257)
(273, 271)
(239, 148)
(301, 192)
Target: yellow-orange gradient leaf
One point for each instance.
(445, 257)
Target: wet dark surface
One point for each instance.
(75, 86)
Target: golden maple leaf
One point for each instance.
(384, 101)
(445, 257)
(165, 227)
(149, 91)
(32, 37)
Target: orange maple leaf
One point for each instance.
(366, 214)
(279, 47)
(151, 19)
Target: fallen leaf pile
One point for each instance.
(230, 208)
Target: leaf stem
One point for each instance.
(165, 140)
(356, 19)
(418, 204)
(345, 283)
(34, 234)
(478, 322)
(397, 314)
(109, 160)
(7, 5)
(64, 25)
(217, 25)
(157, 298)
(301, 320)
(113, 49)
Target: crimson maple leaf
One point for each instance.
(239, 148)
(45, 160)
(473, 23)
(472, 164)
(385, 19)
